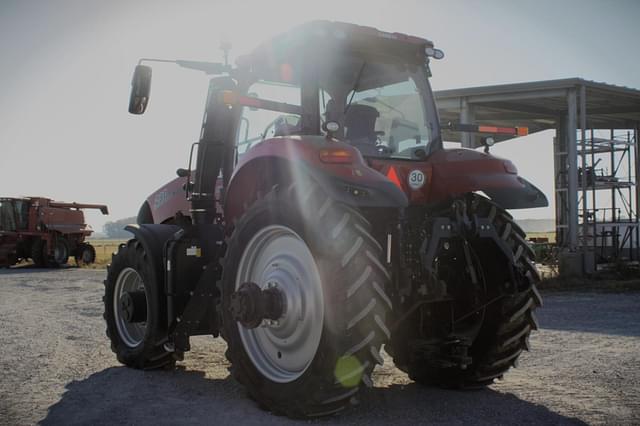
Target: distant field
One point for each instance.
(550, 235)
(104, 249)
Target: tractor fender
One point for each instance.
(459, 171)
(153, 238)
(286, 160)
(163, 204)
(527, 196)
(144, 214)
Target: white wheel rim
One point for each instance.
(132, 334)
(277, 256)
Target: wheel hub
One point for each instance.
(250, 305)
(130, 307)
(134, 306)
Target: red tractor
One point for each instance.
(323, 219)
(47, 232)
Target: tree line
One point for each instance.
(116, 230)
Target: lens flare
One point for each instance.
(349, 371)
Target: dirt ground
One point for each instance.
(56, 368)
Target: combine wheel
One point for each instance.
(314, 268)
(60, 253)
(507, 323)
(134, 310)
(39, 253)
(85, 255)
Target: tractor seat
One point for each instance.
(360, 122)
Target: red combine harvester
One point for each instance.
(45, 231)
(322, 219)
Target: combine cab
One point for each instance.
(47, 232)
(322, 218)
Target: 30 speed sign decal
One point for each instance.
(416, 179)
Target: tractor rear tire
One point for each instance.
(300, 240)
(507, 323)
(136, 344)
(85, 254)
(39, 253)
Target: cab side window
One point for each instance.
(258, 124)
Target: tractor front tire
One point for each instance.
(323, 258)
(508, 322)
(138, 343)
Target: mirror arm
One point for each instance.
(206, 67)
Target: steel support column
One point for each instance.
(636, 168)
(467, 117)
(583, 145)
(572, 169)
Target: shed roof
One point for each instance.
(540, 104)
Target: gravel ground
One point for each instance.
(56, 368)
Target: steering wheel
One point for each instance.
(282, 127)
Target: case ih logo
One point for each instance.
(161, 198)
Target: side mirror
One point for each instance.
(140, 89)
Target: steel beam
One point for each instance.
(518, 96)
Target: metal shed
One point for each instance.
(594, 122)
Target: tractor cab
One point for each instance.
(356, 84)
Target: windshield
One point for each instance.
(385, 108)
(383, 105)
(397, 121)
(7, 216)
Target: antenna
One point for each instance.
(225, 46)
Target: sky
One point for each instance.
(65, 72)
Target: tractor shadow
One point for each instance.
(120, 395)
(412, 404)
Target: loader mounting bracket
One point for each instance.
(444, 228)
(192, 270)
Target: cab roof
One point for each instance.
(327, 37)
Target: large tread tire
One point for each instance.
(508, 322)
(355, 308)
(150, 352)
(85, 254)
(60, 253)
(38, 253)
